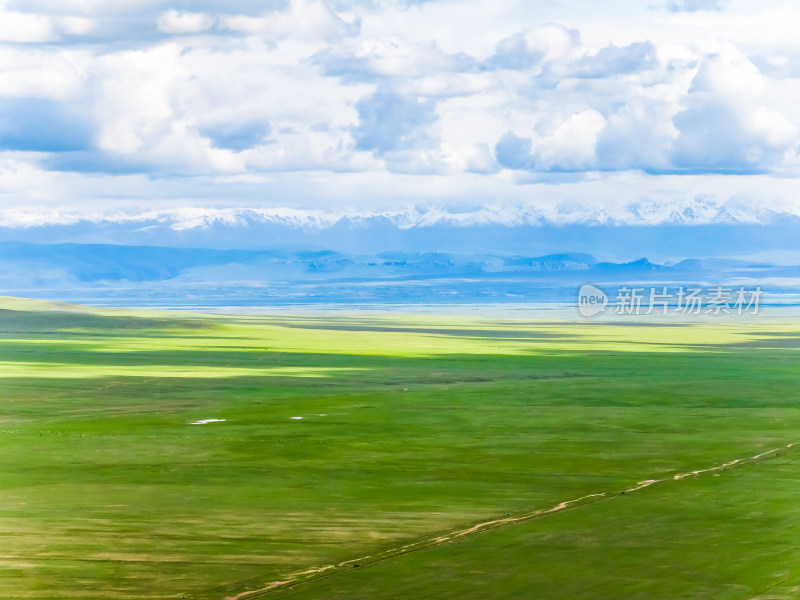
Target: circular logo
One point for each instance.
(591, 300)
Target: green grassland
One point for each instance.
(414, 431)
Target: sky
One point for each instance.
(368, 105)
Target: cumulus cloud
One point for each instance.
(26, 28)
(377, 4)
(237, 135)
(39, 125)
(529, 48)
(388, 88)
(390, 122)
(695, 5)
(172, 21)
(135, 21)
(75, 26)
(135, 98)
(612, 60)
(514, 152)
(117, 8)
(376, 60)
(310, 19)
(730, 120)
(565, 143)
(29, 72)
(639, 135)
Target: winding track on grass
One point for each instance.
(313, 573)
(771, 585)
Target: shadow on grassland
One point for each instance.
(15, 321)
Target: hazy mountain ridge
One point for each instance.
(153, 275)
(104, 263)
(107, 264)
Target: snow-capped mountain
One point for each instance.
(701, 210)
(662, 231)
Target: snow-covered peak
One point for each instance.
(702, 210)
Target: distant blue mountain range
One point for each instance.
(117, 274)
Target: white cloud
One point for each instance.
(559, 143)
(30, 72)
(730, 119)
(172, 21)
(85, 7)
(25, 28)
(639, 135)
(571, 143)
(694, 5)
(75, 26)
(307, 19)
(476, 158)
(391, 57)
(135, 101)
(501, 93)
(535, 46)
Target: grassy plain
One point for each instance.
(412, 428)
